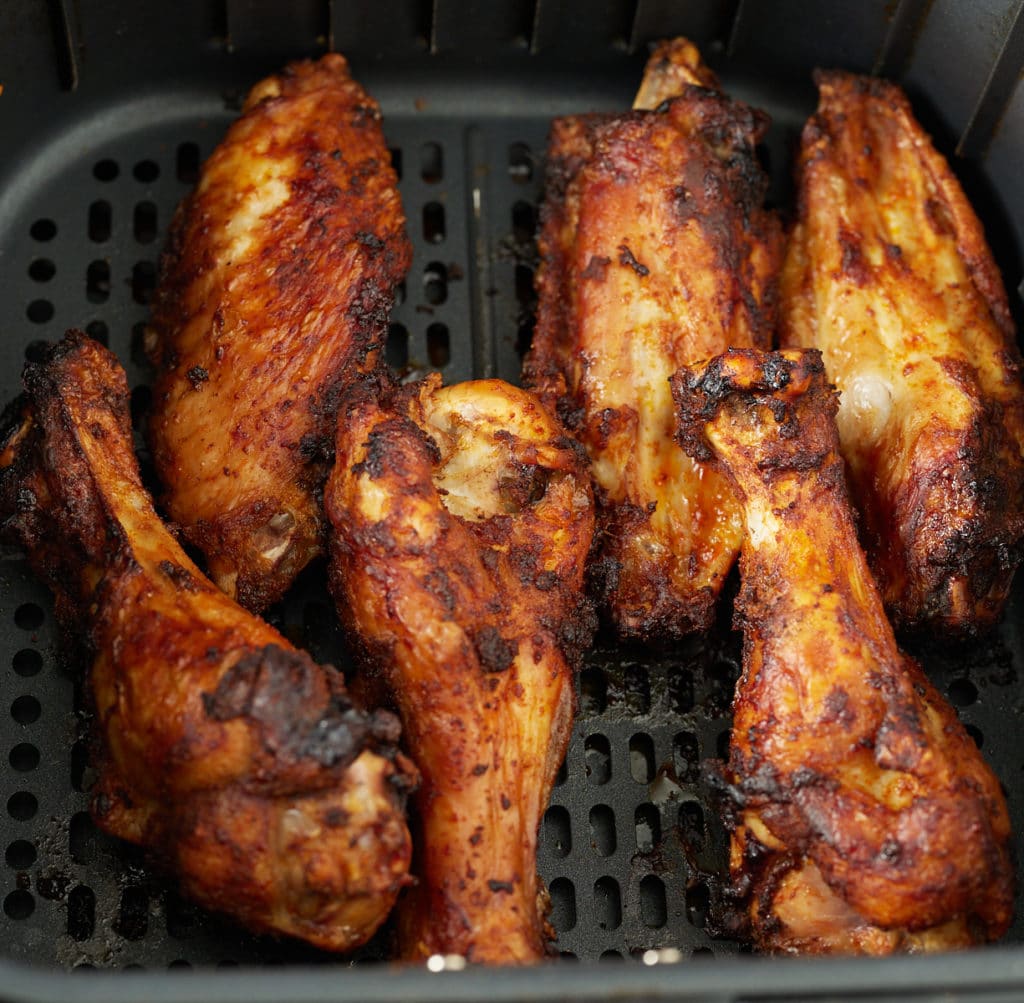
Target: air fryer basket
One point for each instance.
(106, 112)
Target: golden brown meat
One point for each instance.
(274, 294)
(237, 760)
(655, 251)
(462, 518)
(865, 819)
(889, 276)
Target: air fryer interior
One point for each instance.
(108, 111)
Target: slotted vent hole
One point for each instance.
(602, 830)
(396, 349)
(439, 350)
(434, 231)
(520, 163)
(698, 902)
(182, 917)
(597, 757)
(81, 922)
(558, 831)
(82, 838)
(80, 766)
(431, 163)
(186, 163)
(653, 906)
(396, 161)
(144, 222)
(435, 283)
(143, 281)
(563, 904)
(975, 733)
(97, 281)
(641, 758)
(524, 222)
(637, 687)
(607, 903)
(686, 756)
(101, 221)
(647, 823)
(133, 915)
(691, 824)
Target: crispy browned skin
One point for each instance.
(462, 517)
(865, 819)
(888, 274)
(655, 251)
(274, 293)
(237, 760)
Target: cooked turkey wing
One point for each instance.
(865, 818)
(888, 274)
(655, 251)
(241, 764)
(274, 293)
(462, 517)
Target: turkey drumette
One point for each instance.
(237, 761)
(864, 817)
(462, 518)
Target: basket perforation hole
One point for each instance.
(80, 766)
(602, 830)
(435, 283)
(558, 831)
(81, 913)
(525, 293)
(27, 662)
(975, 733)
(186, 163)
(29, 616)
(562, 775)
(431, 163)
(19, 904)
(653, 906)
(22, 806)
(438, 345)
(144, 222)
(524, 337)
(43, 230)
(141, 401)
(597, 758)
(681, 690)
(179, 963)
(26, 709)
(41, 270)
(396, 161)
(97, 281)
(520, 163)
(143, 281)
(637, 685)
(39, 311)
(133, 914)
(401, 293)
(20, 854)
(698, 902)
(182, 917)
(101, 221)
(140, 340)
(563, 904)
(691, 824)
(82, 838)
(641, 758)
(647, 825)
(607, 903)
(146, 171)
(35, 351)
(610, 956)
(98, 331)
(686, 755)
(105, 170)
(722, 743)
(396, 349)
(701, 953)
(593, 692)
(434, 226)
(524, 222)
(962, 692)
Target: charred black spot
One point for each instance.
(597, 268)
(494, 652)
(501, 886)
(374, 463)
(626, 257)
(370, 240)
(197, 376)
(480, 769)
(439, 585)
(181, 577)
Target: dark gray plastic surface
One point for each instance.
(106, 110)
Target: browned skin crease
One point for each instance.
(889, 275)
(864, 817)
(655, 252)
(274, 293)
(462, 517)
(241, 765)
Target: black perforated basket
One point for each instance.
(107, 111)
